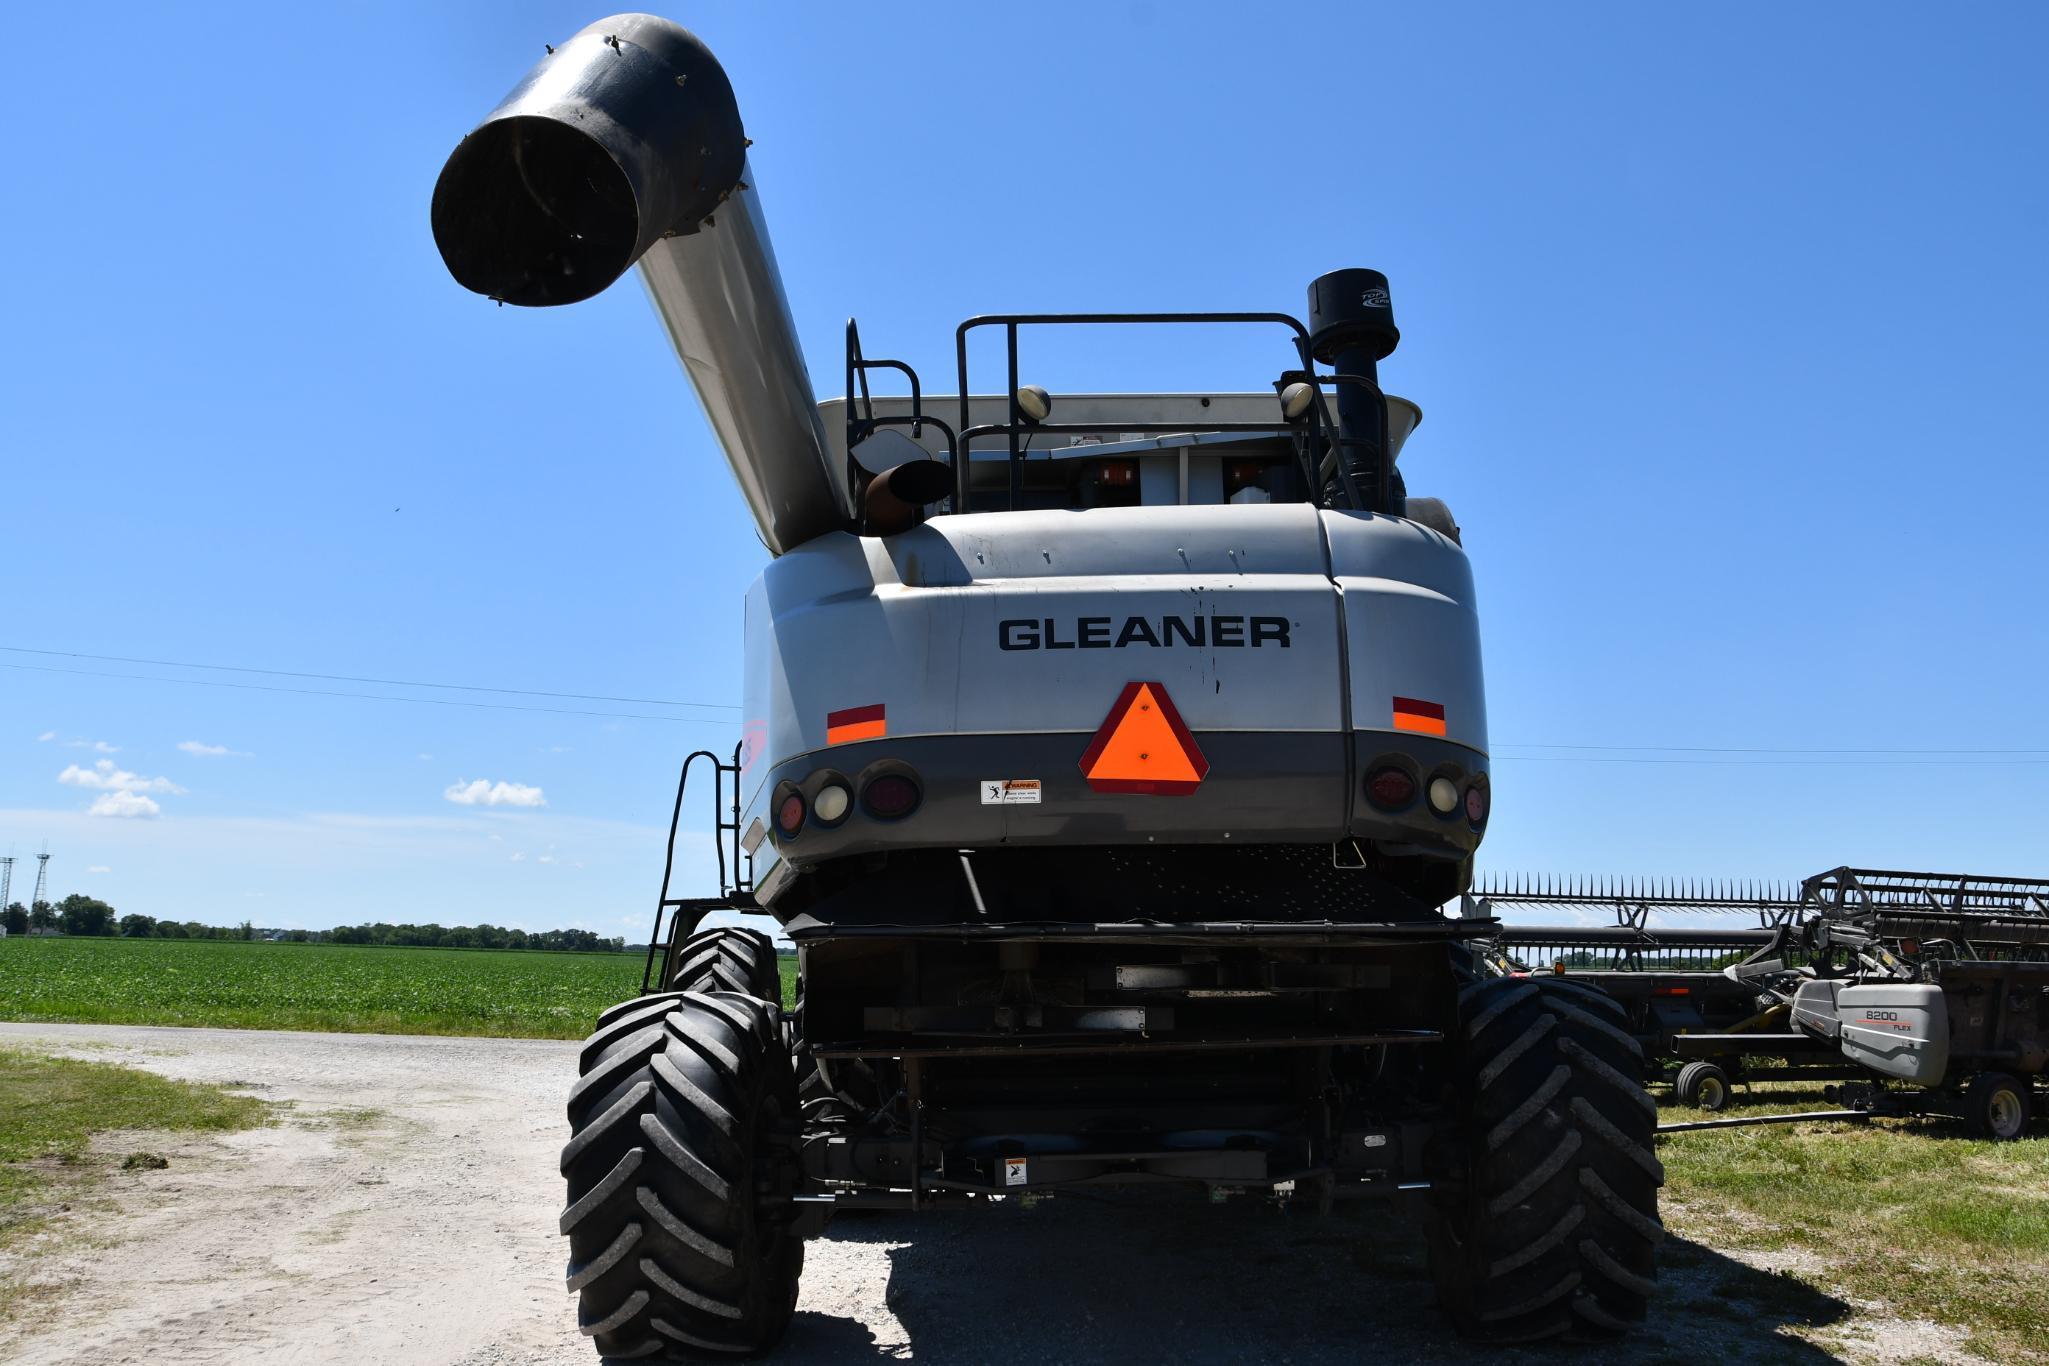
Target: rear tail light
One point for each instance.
(1443, 796)
(1390, 789)
(831, 804)
(789, 814)
(1476, 804)
(891, 796)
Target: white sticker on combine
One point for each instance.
(1013, 1171)
(1010, 791)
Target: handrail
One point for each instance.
(1010, 322)
(732, 881)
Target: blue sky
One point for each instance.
(1728, 326)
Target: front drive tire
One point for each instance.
(729, 958)
(684, 1114)
(1552, 1227)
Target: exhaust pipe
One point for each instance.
(625, 145)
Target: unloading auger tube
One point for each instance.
(625, 145)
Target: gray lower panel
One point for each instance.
(1261, 787)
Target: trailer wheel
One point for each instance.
(1704, 1084)
(729, 959)
(1997, 1106)
(682, 1126)
(1551, 1225)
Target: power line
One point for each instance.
(1981, 759)
(350, 678)
(1583, 753)
(1742, 749)
(373, 696)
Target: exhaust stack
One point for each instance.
(625, 145)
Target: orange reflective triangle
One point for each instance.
(1144, 746)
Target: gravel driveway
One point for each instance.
(404, 1208)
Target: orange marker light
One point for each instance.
(856, 723)
(1424, 718)
(1144, 746)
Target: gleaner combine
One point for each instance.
(1106, 758)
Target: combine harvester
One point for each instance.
(1107, 758)
(1939, 981)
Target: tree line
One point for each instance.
(88, 916)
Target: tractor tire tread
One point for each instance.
(670, 1251)
(1553, 1229)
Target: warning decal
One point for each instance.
(1013, 1171)
(1010, 791)
(1144, 746)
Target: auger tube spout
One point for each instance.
(623, 146)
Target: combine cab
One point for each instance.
(1106, 758)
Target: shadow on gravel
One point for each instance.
(1161, 1277)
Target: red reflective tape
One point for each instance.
(853, 716)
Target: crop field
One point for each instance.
(340, 987)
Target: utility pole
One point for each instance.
(6, 881)
(42, 881)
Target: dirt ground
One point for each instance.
(403, 1210)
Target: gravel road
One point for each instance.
(403, 1210)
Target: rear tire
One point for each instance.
(1552, 1227)
(1998, 1106)
(683, 1119)
(729, 959)
(1704, 1084)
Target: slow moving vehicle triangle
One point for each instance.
(1144, 746)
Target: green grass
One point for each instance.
(333, 987)
(50, 1108)
(1908, 1214)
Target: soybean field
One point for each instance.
(337, 987)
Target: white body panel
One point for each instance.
(1019, 624)
(1898, 1028)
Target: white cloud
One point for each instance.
(99, 868)
(545, 858)
(46, 736)
(96, 746)
(124, 803)
(519, 856)
(484, 792)
(104, 777)
(207, 751)
(423, 756)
